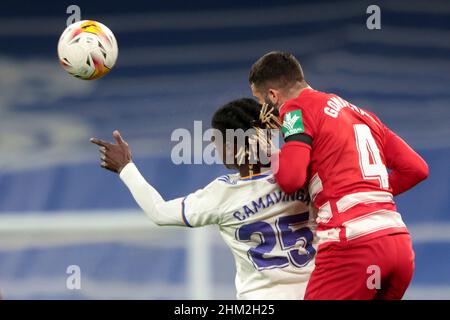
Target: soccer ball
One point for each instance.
(87, 49)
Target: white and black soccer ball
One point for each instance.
(87, 49)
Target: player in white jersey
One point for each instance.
(270, 233)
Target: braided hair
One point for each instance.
(247, 114)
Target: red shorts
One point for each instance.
(378, 268)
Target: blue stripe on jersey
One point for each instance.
(183, 213)
(224, 178)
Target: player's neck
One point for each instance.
(244, 171)
(295, 90)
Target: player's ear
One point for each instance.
(274, 96)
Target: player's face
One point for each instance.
(270, 98)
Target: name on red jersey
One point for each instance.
(336, 104)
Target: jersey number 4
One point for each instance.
(298, 255)
(369, 156)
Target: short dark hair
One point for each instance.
(245, 114)
(280, 69)
(236, 114)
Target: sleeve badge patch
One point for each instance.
(293, 123)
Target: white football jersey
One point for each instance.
(270, 233)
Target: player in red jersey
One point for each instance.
(342, 153)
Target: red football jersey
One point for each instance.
(347, 176)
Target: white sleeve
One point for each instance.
(203, 207)
(160, 212)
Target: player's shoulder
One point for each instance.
(217, 192)
(223, 182)
(309, 98)
(227, 192)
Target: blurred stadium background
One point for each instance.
(178, 61)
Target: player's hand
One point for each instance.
(114, 156)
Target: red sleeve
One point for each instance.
(307, 118)
(407, 167)
(290, 165)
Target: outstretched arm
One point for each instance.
(160, 211)
(116, 157)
